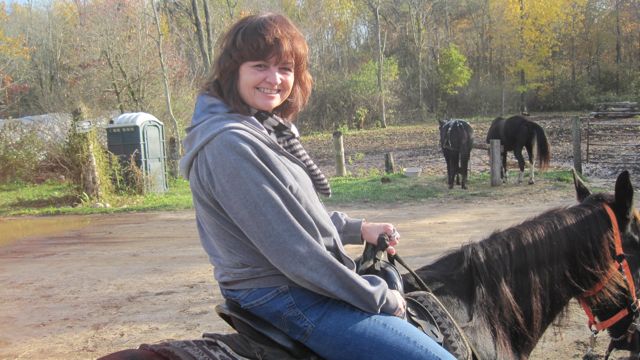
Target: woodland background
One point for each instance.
(374, 62)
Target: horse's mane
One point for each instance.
(519, 272)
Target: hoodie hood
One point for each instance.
(210, 117)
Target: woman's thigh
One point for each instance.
(335, 329)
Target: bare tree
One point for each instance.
(206, 61)
(375, 8)
(165, 78)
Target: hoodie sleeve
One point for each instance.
(282, 219)
(350, 230)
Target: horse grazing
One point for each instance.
(516, 133)
(456, 141)
(505, 290)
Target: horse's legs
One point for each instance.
(517, 151)
(450, 174)
(503, 172)
(133, 354)
(456, 166)
(464, 166)
(532, 179)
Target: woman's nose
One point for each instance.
(274, 76)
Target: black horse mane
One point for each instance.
(519, 272)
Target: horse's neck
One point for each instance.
(457, 291)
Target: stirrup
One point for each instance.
(430, 316)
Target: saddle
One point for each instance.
(424, 311)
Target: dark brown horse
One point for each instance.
(456, 141)
(516, 133)
(505, 290)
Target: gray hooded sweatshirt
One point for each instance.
(259, 217)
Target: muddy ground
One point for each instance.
(81, 287)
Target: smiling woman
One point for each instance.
(253, 182)
(264, 85)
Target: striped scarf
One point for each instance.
(287, 136)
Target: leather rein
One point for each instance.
(620, 265)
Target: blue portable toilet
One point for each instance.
(141, 135)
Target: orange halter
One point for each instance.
(621, 266)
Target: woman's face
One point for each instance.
(264, 85)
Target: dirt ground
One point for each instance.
(105, 283)
(81, 287)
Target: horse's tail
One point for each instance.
(544, 151)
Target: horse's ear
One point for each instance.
(624, 193)
(582, 192)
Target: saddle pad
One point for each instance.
(201, 349)
(216, 347)
(453, 339)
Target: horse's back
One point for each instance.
(457, 135)
(511, 131)
(495, 130)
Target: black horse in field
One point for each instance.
(456, 141)
(504, 291)
(516, 133)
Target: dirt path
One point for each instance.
(104, 283)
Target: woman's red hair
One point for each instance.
(255, 38)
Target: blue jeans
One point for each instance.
(334, 329)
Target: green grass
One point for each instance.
(53, 198)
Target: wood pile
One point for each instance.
(624, 109)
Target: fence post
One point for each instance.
(389, 163)
(495, 159)
(341, 169)
(577, 151)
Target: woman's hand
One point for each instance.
(371, 231)
(401, 311)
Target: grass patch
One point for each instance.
(55, 198)
(400, 188)
(371, 189)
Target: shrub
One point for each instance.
(21, 152)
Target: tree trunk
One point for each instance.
(231, 6)
(618, 47)
(523, 82)
(383, 117)
(114, 82)
(209, 27)
(165, 80)
(206, 62)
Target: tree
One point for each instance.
(453, 70)
(13, 51)
(165, 77)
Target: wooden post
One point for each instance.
(577, 151)
(341, 169)
(173, 157)
(89, 175)
(495, 160)
(389, 163)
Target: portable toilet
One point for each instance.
(140, 135)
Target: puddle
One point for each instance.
(14, 229)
